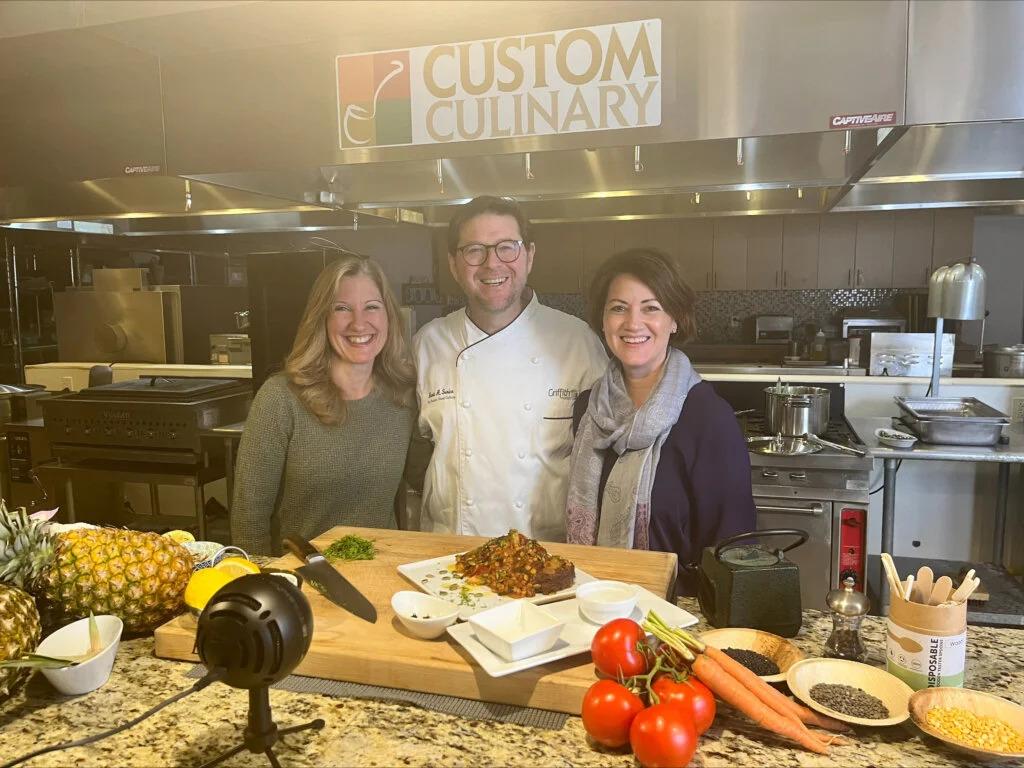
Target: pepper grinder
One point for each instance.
(848, 610)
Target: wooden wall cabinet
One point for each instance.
(837, 248)
(874, 255)
(800, 251)
(729, 265)
(695, 255)
(912, 249)
(764, 253)
(558, 262)
(954, 236)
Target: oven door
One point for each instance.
(815, 556)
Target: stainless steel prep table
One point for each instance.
(1003, 455)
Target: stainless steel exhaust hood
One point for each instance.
(748, 88)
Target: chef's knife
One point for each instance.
(328, 581)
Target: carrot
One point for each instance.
(769, 695)
(733, 692)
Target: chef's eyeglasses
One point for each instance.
(475, 254)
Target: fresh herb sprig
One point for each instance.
(350, 548)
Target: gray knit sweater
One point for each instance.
(296, 475)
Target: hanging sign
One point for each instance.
(599, 78)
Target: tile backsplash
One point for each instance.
(722, 315)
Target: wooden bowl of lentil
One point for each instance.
(778, 650)
(858, 688)
(982, 725)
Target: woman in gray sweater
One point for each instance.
(325, 442)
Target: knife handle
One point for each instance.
(299, 547)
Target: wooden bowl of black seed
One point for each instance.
(766, 655)
(850, 691)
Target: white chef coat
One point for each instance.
(498, 409)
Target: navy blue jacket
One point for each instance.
(702, 490)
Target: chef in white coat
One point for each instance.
(496, 385)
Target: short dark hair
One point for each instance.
(501, 206)
(655, 270)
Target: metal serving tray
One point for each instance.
(953, 409)
(952, 431)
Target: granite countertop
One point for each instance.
(361, 732)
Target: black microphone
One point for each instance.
(255, 630)
(257, 627)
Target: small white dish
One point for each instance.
(425, 616)
(73, 640)
(602, 601)
(576, 636)
(895, 438)
(516, 630)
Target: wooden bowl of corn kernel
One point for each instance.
(982, 725)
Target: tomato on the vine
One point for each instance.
(692, 694)
(617, 649)
(663, 736)
(608, 711)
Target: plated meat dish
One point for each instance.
(515, 566)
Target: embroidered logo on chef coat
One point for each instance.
(563, 394)
(442, 393)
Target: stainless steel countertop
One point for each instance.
(1011, 453)
(778, 370)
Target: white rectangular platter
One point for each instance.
(434, 578)
(576, 636)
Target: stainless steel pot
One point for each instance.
(1004, 362)
(795, 411)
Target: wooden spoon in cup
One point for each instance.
(940, 592)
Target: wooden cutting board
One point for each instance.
(345, 647)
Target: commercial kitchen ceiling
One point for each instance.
(961, 164)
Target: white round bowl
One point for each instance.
(73, 640)
(602, 601)
(425, 616)
(206, 554)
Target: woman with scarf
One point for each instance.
(659, 461)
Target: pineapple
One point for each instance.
(19, 634)
(135, 575)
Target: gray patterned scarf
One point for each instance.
(636, 435)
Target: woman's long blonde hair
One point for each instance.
(308, 365)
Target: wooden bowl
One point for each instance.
(778, 649)
(973, 701)
(893, 692)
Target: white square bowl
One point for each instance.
(516, 630)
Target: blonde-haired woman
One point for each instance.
(325, 442)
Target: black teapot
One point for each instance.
(746, 584)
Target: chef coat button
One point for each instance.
(465, 403)
(518, 505)
(535, 360)
(527, 406)
(522, 454)
(469, 502)
(469, 451)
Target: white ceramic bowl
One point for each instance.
(602, 601)
(207, 554)
(73, 640)
(895, 437)
(425, 616)
(516, 630)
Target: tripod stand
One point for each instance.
(261, 732)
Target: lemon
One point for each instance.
(180, 536)
(237, 566)
(202, 585)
